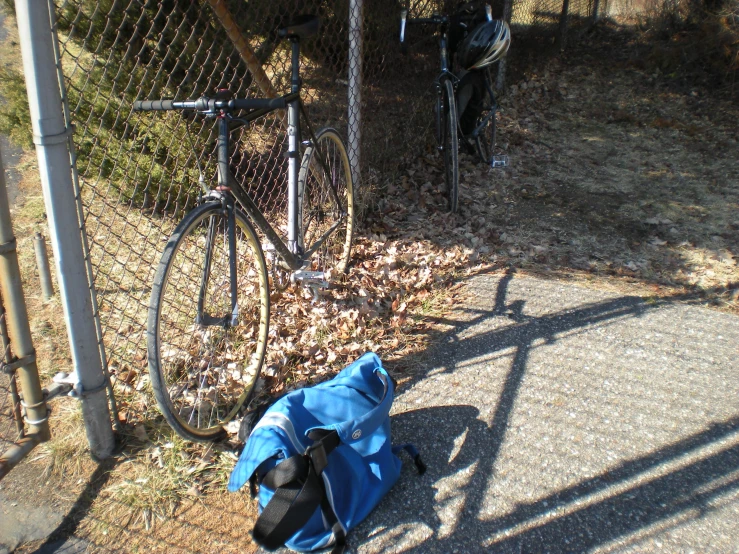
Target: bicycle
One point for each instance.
(454, 93)
(209, 311)
(447, 141)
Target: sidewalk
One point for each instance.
(555, 418)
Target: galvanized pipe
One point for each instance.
(51, 138)
(42, 261)
(354, 116)
(18, 329)
(7, 359)
(81, 217)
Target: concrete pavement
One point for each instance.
(555, 418)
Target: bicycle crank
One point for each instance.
(310, 278)
(314, 280)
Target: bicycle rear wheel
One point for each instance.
(450, 145)
(326, 205)
(205, 350)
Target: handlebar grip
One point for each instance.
(152, 105)
(257, 103)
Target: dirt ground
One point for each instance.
(620, 178)
(619, 175)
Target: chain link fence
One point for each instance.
(138, 173)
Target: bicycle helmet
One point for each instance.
(486, 43)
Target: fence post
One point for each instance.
(500, 78)
(354, 134)
(20, 340)
(50, 136)
(563, 17)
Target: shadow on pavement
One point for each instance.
(629, 500)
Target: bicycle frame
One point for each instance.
(443, 23)
(291, 253)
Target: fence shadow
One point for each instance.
(462, 446)
(67, 529)
(628, 499)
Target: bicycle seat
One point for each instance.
(304, 26)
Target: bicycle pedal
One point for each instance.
(499, 162)
(311, 278)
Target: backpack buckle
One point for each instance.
(324, 443)
(318, 457)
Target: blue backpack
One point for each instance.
(323, 459)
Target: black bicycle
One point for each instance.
(475, 127)
(209, 309)
(445, 111)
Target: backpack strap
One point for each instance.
(413, 452)
(298, 490)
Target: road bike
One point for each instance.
(452, 97)
(209, 311)
(445, 111)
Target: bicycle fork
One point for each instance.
(232, 319)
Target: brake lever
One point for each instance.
(403, 18)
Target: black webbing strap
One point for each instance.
(298, 493)
(336, 528)
(325, 442)
(292, 469)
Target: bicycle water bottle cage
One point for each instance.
(304, 26)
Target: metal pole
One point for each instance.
(500, 78)
(563, 23)
(81, 218)
(595, 11)
(18, 328)
(355, 88)
(51, 139)
(42, 261)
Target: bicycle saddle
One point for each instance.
(304, 26)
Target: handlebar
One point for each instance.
(404, 20)
(205, 104)
(436, 19)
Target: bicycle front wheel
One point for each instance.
(326, 205)
(450, 145)
(207, 333)
(485, 139)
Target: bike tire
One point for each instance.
(202, 374)
(319, 209)
(486, 134)
(450, 146)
